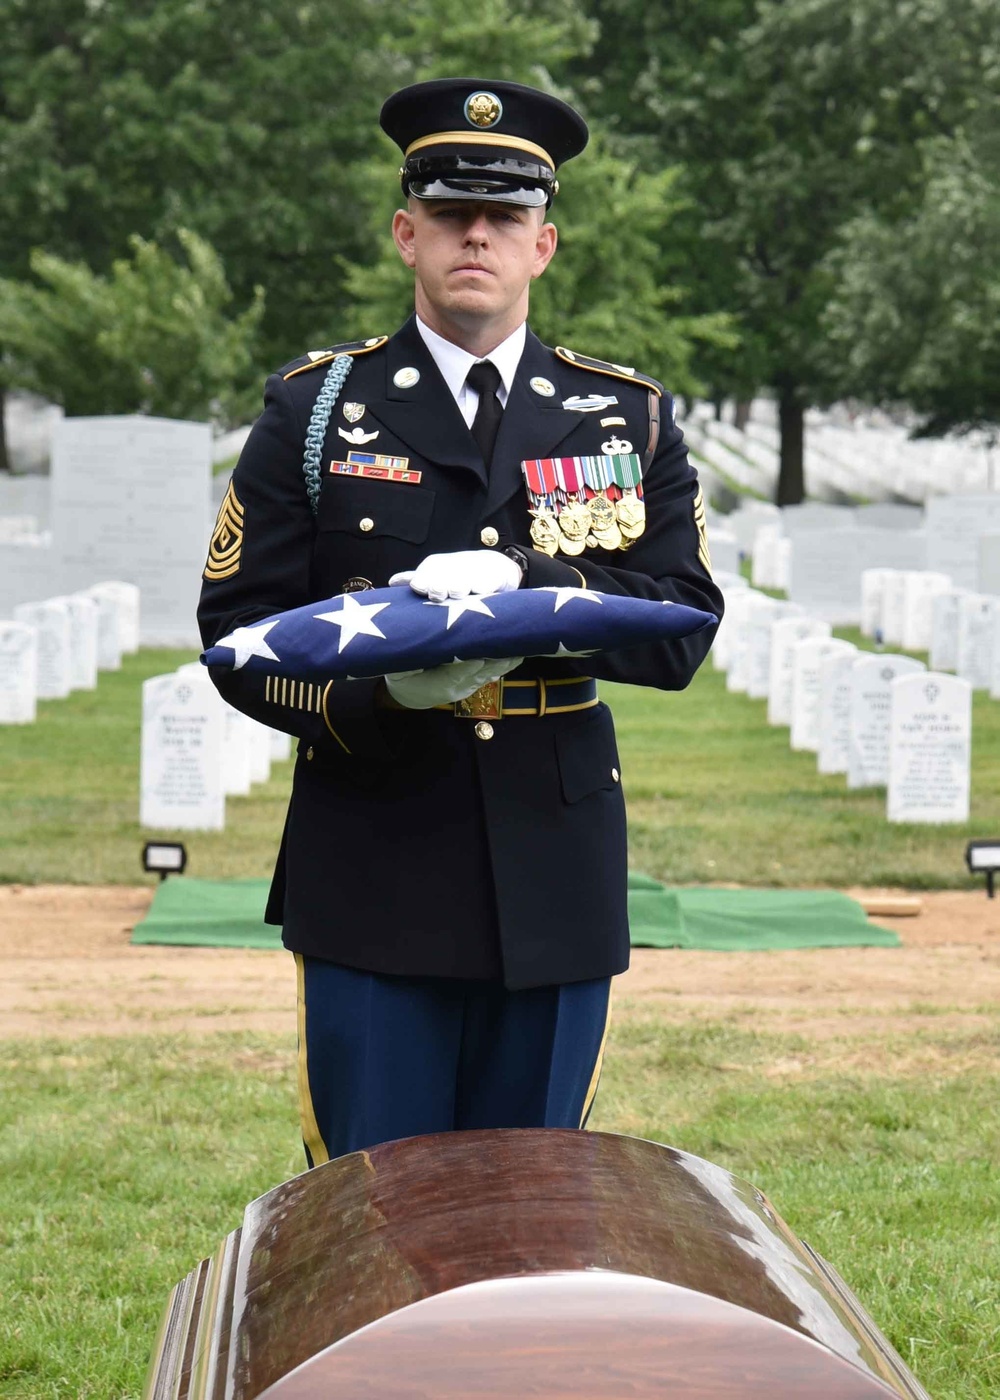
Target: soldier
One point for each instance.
(452, 875)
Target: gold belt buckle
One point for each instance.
(484, 703)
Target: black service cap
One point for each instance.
(473, 138)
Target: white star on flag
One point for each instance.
(457, 606)
(249, 641)
(354, 619)
(569, 595)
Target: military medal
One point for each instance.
(579, 503)
(630, 509)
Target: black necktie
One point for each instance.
(484, 377)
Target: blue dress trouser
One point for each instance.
(384, 1057)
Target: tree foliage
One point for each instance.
(155, 335)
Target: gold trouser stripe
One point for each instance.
(480, 138)
(588, 1102)
(326, 720)
(307, 1114)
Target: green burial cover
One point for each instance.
(230, 914)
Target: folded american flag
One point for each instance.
(384, 630)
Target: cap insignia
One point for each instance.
(483, 109)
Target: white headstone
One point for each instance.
(281, 746)
(722, 647)
(736, 639)
(893, 607)
(988, 561)
(976, 620)
(930, 749)
(784, 637)
(759, 625)
(724, 548)
(181, 762)
(51, 619)
(890, 515)
(816, 515)
(125, 597)
(873, 582)
(18, 672)
(83, 622)
(922, 587)
(807, 661)
(29, 572)
(954, 524)
(237, 770)
(109, 629)
(868, 755)
(826, 566)
(260, 752)
(747, 518)
(766, 567)
(131, 499)
(835, 711)
(944, 628)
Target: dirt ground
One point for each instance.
(67, 969)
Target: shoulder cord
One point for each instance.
(319, 421)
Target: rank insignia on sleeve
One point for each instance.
(226, 547)
(701, 523)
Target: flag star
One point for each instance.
(569, 595)
(354, 619)
(249, 641)
(457, 607)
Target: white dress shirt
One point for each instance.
(455, 363)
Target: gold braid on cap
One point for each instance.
(480, 138)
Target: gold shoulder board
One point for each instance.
(314, 358)
(606, 367)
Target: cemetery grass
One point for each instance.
(715, 795)
(125, 1162)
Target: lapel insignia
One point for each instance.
(406, 377)
(590, 403)
(353, 411)
(545, 387)
(358, 436)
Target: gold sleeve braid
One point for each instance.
(701, 523)
(226, 547)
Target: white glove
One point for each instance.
(456, 575)
(441, 685)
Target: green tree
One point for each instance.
(916, 315)
(791, 118)
(251, 125)
(156, 335)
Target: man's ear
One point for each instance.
(402, 236)
(545, 246)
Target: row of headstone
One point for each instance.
(129, 499)
(58, 645)
(879, 718)
(196, 750)
(960, 629)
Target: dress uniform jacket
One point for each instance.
(412, 845)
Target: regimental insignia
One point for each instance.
(483, 109)
(226, 546)
(579, 503)
(354, 412)
(700, 521)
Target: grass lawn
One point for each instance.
(125, 1162)
(714, 795)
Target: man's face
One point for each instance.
(474, 260)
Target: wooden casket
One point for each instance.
(535, 1263)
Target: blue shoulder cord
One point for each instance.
(319, 421)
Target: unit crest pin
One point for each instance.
(353, 411)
